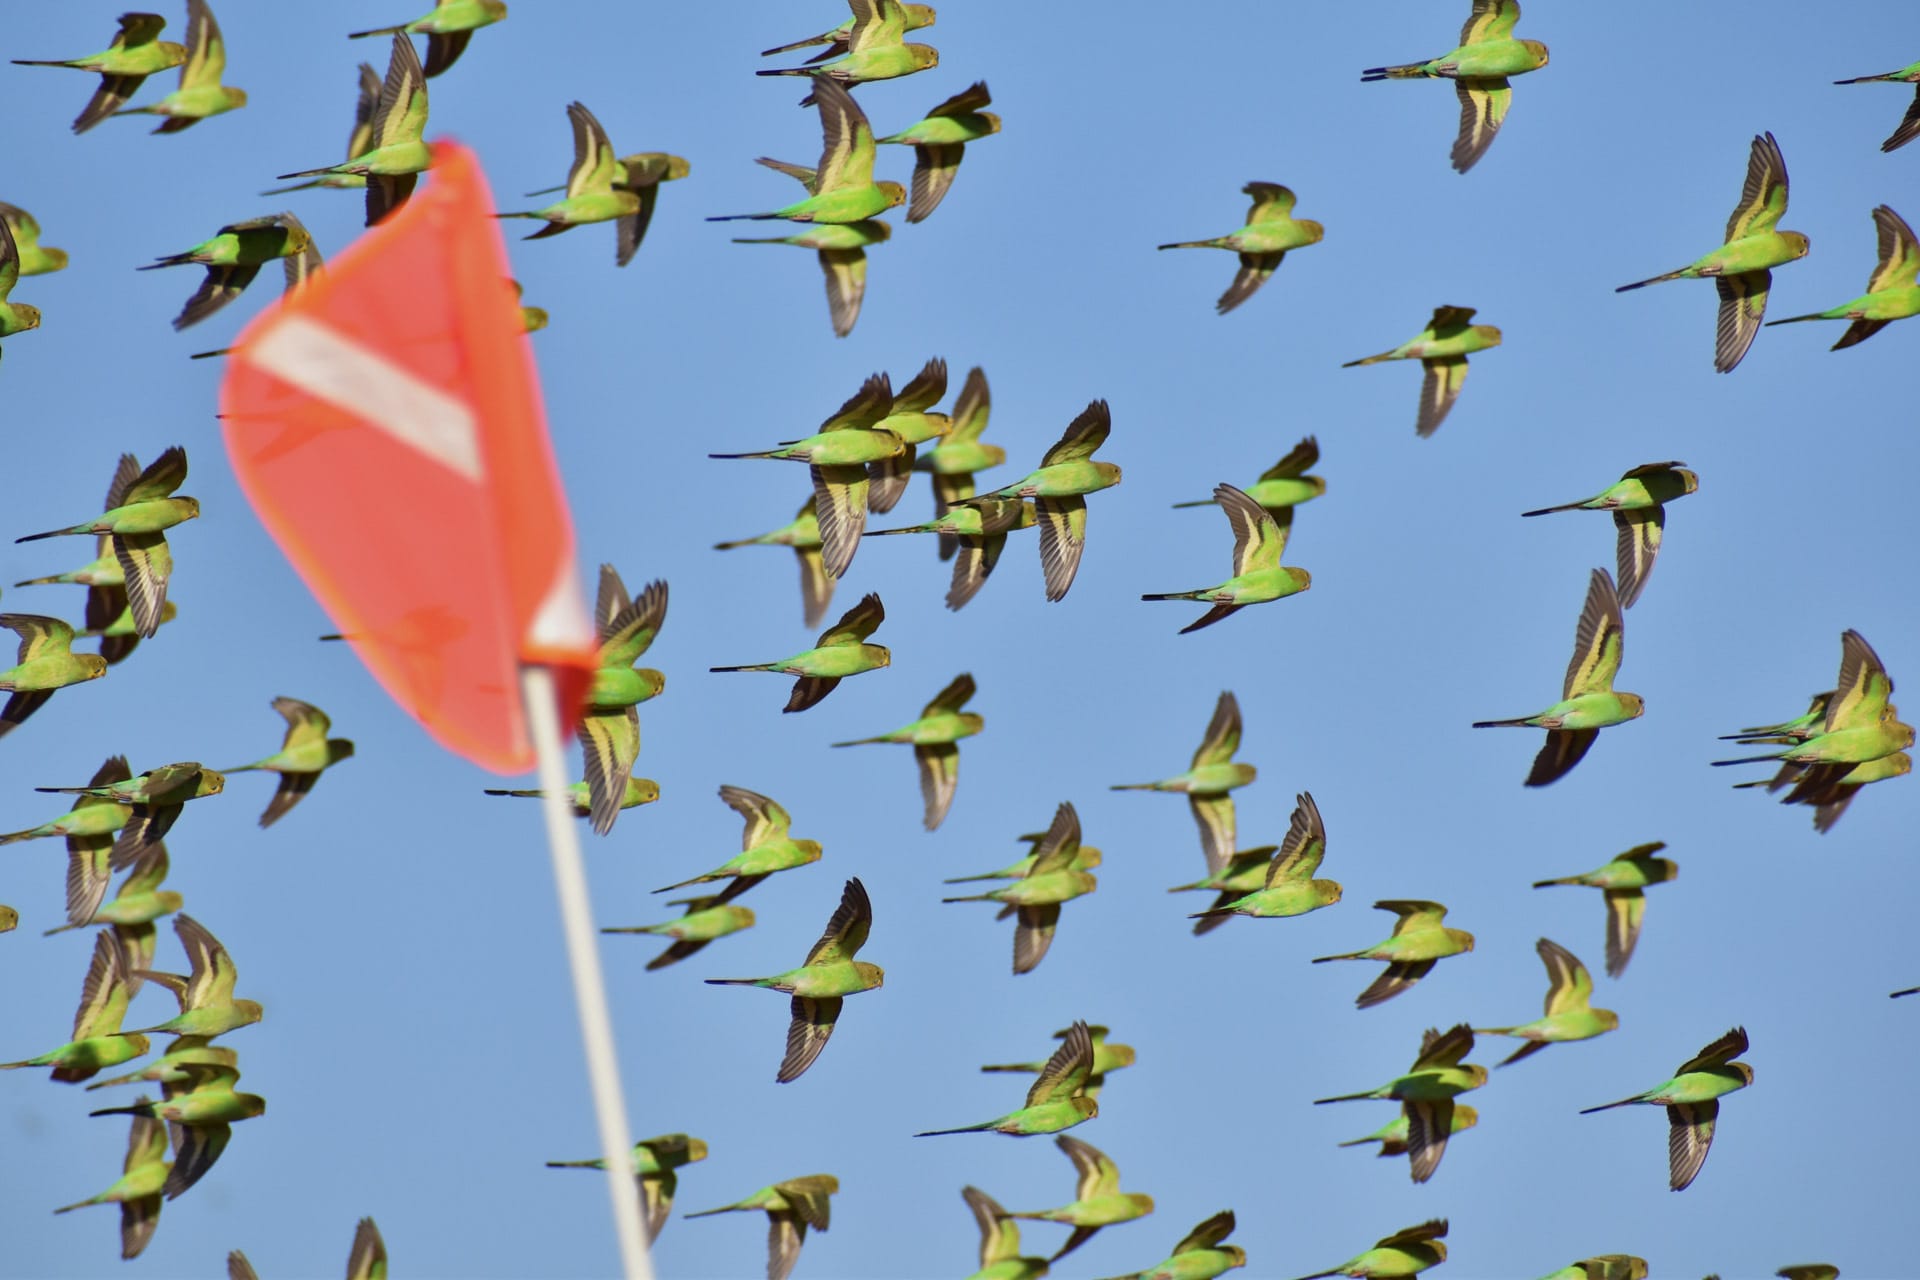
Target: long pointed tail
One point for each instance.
(34, 62)
(500, 791)
(1027, 1067)
(1351, 955)
(991, 875)
(1547, 511)
(1204, 502)
(575, 1164)
(972, 1128)
(1748, 760)
(758, 666)
(1608, 1106)
(1519, 723)
(378, 31)
(742, 217)
(1345, 1097)
(1406, 71)
(857, 742)
(298, 186)
(1193, 244)
(733, 982)
(708, 1213)
(764, 453)
(881, 533)
(1542, 884)
(1641, 284)
(1891, 75)
(977, 897)
(304, 173)
(1797, 319)
(1177, 595)
(1355, 364)
(808, 43)
(785, 71)
(1134, 786)
(743, 542)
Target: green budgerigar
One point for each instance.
(155, 799)
(1892, 290)
(841, 187)
(15, 317)
(45, 662)
(234, 256)
(97, 1041)
(1624, 881)
(876, 48)
(1393, 1135)
(1097, 1199)
(1209, 782)
(1481, 70)
(609, 732)
(1588, 702)
(791, 1207)
(89, 828)
(359, 141)
(1258, 576)
(397, 152)
(1067, 473)
(1909, 127)
(706, 918)
(1569, 1013)
(654, 1163)
(1053, 878)
(1057, 1099)
(447, 29)
(604, 187)
(1741, 269)
(841, 651)
(940, 141)
(200, 93)
(1861, 722)
(1262, 244)
(911, 416)
(1289, 887)
(137, 1190)
(1442, 349)
(305, 753)
(840, 39)
(639, 791)
(979, 534)
(200, 1116)
(136, 53)
(1419, 942)
(842, 250)
(207, 1004)
(1200, 1256)
(934, 737)
(1426, 1093)
(1107, 1055)
(1692, 1099)
(802, 533)
(1637, 501)
(1284, 485)
(999, 1241)
(766, 845)
(1406, 1252)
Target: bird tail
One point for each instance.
(742, 542)
(1517, 723)
(304, 173)
(64, 791)
(137, 1109)
(132, 111)
(298, 186)
(1344, 1097)
(14, 837)
(1355, 364)
(758, 666)
(977, 897)
(208, 355)
(1608, 1106)
(972, 1128)
(1351, 955)
(1194, 244)
(501, 791)
(577, 1164)
(1406, 71)
(739, 217)
(858, 742)
(784, 71)
(1796, 319)
(377, 31)
(881, 533)
(811, 41)
(1139, 786)
(956, 880)
(1178, 595)
(54, 533)
(1027, 1067)
(1547, 511)
(708, 1213)
(764, 453)
(733, 982)
(1641, 284)
(760, 239)
(32, 62)
(1356, 1142)
(1204, 502)
(1770, 759)
(1542, 884)
(1891, 75)
(683, 884)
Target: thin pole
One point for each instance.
(589, 988)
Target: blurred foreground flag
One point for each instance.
(385, 421)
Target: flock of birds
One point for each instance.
(861, 460)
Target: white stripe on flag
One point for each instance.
(331, 367)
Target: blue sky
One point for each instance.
(419, 1050)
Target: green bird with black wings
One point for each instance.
(447, 29)
(934, 737)
(791, 1207)
(1407, 1252)
(1054, 877)
(610, 731)
(841, 651)
(1097, 1199)
(1258, 576)
(1419, 941)
(603, 187)
(841, 187)
(1861, 723)
(940, 141)
(1692, 1099)
(35, 259)
(200, 1116)
(207, 1004)
(1057, 1099)
(1569, 1013)
(359, 141)
(1209, 782)
(137, 1190)
(1284, 485)
(876, 48)
(1262, 244)
(97, 1042)
(1201, 1256)
(1909, 127)
(1289, 887)
(706, 918)
(136, 53)
(397, 152)
(766, 845)
(842, 250)
(654, 1162)
(999, 1241)
(305, 753)
(1442, 349)
(1637, 502)
(234, 256)
(1067, 473)
(1481, 70)
(802, 533)
(1892, 290)
(1107, 1055)
(44, 663)
(1588, 702)
(1624, 880)
(1741, 269)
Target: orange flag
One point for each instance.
(385, 421)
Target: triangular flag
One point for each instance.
(384, 419)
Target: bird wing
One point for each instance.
(846, 155)
(865, 407)
(39, 634)
(924, 391)
(807, 1197)
(857, 623)
(365, 108)
(1445, 375)
(816, 587)
(1271, 202)
(1258, 539)
(1483, 106)
(404, 75)
(1763, 200)
(1415, 914)
(806, 177)
(1084, 434)
(965, 102)
(1222, 737)
(306, 723)
(785, 1235)
(1569, 985)
(1625, 909)
(1860, 696)
(162, 476)
(1490, 20)
(103, 994)
(138, 29)
(951, 698)
(1563, 749)
(766, 820)
(146, 1142)
(939, 778)
(1429, 1125)
(627, 635)
(1219, 832)
(213, 970)
(1097, 1174)
(1444, 1049)
(1207, 1234)
(1743, 306)
(875, 23)
(609, 744)
(1297, 461)
(999, 1237)
(1422, 1234)
(206, 51)
(1636, 543)
(970, 409)
(1304, 847)
(847, 929)
(1597, 640)
(594, 164)
(1066, 1072)
(9, 260)
(1254, 270)
(1057, 848)
(611, 600)
(1899, 252)
(807, 1034)
(1718, 1054)
(840, 508)
(196, 1148)
(367, 1260)
(845, 271)
(1689, 1137)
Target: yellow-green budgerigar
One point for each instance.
(1393, 1135)
(234, 256)
(1442, 349)
(1288, 887)
(940, 141)
(200, 93)
(207, 1004)
(136, 53)
(1258, 576)
(1284, 485)
(841, 651)
(791, 1207)
(876, 48)
(1209, 781)
(610, 730)
(705, 918)
(1407, 1252)
(35, 259)
(447, 29)
(1262, 244)
(1419, 941)
(200, 1115)
(910, 416)
(1054, 877)
(137, 1190)
(934, 738)
(604, 187)
(1909, 127)
(1569, 1013)
(1624, 881)
(841, 187)
(97, 1041)
(44, 663)
(1861, 722)
(1108, 1055)
(359, 141)
(1892, 291)
(1201, 1255)
(1057, 1099)
(1097, 1199)
(1605, 1266)
(305, 753)
(15, 317)
(1741, 269)
(397, 152)
(1637, 502)
(766, 845)
(1692, 1099)
(1067, 473)
(1481, 70)
(999, 1241)
(842, 250)
(654, 1163)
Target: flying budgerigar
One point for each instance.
(1097, 1199)
(44, 663)
(1909, 127)
(979, 534)
(1108, 1055)
(1393, 1135)
(1200, 1256)
(1861, 723)
(791, 1207)
(837, 457)
(940, 141)
(89, 829)
(1057, 1099)
(841, 187)
(1741, 269)
(1054, 877)
(953, 461)
(397, 153)
(1892, 291)
(639, 791)
(1692, 1099)
(155, 800)
(1827, 795)
(1258, 576)
(766, 845)
(802, 533)
(1407, 1252)
(200, 93)
(366, 106)
(706, 918)
(1637, 502)
(1419, 941)
(1588, 702)
(15, 317)
(1569, 1013)
(934, 737)
(97, 1041)
(604, 187)
(1262, 244)
(912, 417)
(1067, 473)
(1284, 485)
(842, 250)
(137, 1190)
(207, 1004)
(200, 1115)
(1209, 781)
(1624, 881)
(305, 753)
(137, 525)
(136, 53)
(999, 1241)
(820, 986)
(876, 48)
(234, 256)
(1442, 349)
(447, 29)
(610, 729)
(1289, 887)
(840, 39)
(841, 651)
(654, 1163)
(1480, 70)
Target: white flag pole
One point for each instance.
(589, 987)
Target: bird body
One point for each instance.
(97, 1042)
(234, 256)
(1107, 1056)
(603, 187)
(1262, 244)
(34, 258)
(1051, 879)
(1419, 942)
(791, 1207)
(15, 317)
(137, 1190)
(1287, 886)
(200, 1117)
(705, 919)
(305, 752)
(1480, 69)
(1393, 1135)
(940, 141)
(1569, 1012)
(840, 652)
(448, 29)
(942, 723)
(912, 17)
(1893, 292)
(1442, 349)
(654, 1162)
(44, 663)
(1097, 1199)
(1067, 473)
(1691, 1098)
(207, 1004)
(397, 151)
(1861, 724)
(1624, 880)
(1201, 1255)
(1406, 1252)
(766, 845)
(1211, 775)
(1284, 485)
(1258, 575)
(1057, 1099)
(1639, 517)
(841, 187)
(136, 53)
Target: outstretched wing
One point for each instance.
(1597, 640)
(1490, 20)
(1304, 847)
(1298, 461)
(1066, 1072)
(1899, 252)
(766, 820)
(1222, 738)
(1084, 434)
(1258, 539)
(857, 623)
(1763, 200)
(847, 929)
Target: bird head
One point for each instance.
(895, 193)
(252, 1012)
(918, 16)
(27, 316)
(210, 784)
(1689, 481)
(811, 848)
(338, 749)
(138, 1043)
(871, 975)
(925, 56)
(1607, 1018)
(1634, 705)
(1312, 228)
(1234, 1252)
(993, 121)
(973, 721)
(640, 791)
(1330, 890)
(993, 454)
(1144, 1203)
(1108, 471)
(1087, 1108)
(1797, 242)
(885, 656)
(170, 901)
(190, 507)
(93, 664)
(236, 98)
(655, 681)
(1539, 52)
